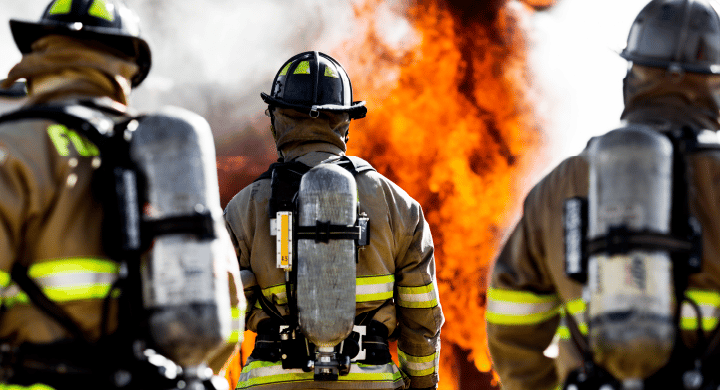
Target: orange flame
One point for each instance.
(451, 121)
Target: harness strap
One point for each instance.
(19, 274)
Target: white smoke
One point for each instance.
(576, 65)
(213, 57)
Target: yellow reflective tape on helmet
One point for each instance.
(419, 365)
(60, 7)
(259, 373)
(284, 70)
(103, 10)
(302, 68)
(329, 72)
(417, 297)
(374, 288)
(37, 386)
(61, 137)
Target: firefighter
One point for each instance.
(65, 296)
(647, 257)
(396, 297)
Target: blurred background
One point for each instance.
(470, 102)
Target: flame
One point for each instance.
(451, 121)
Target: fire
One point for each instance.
(451, 121)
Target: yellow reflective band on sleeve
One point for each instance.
(73, 279)
(37, 386)
(303, 68)
(79, 265)
(374, 288)
(419, 365)
(62, 137)
(262, 373)
(275, 294)
(576, 306)
(419, 297)
(101, 9)
(331, 73)
(60, 7)
(708, 301)
(563, 331)
(510, 307)
(4, 279)
(236, 324)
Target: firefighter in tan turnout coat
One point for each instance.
(670, 91)
(60, 294)
(396, 293)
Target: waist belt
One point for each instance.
(367, 344)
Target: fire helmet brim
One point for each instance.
(27, 33)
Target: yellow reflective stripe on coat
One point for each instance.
(262, 373)
(510, 307)
(236, 324)
(419, 297)
(4, 279)
(37, 386)
(708, 301)
(577, 308)
(275, 294)
(374, 288)
(419, 365)
(64, 280)
(367, 289)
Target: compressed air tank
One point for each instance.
(184, 276)
(631, 298)
(326, 270)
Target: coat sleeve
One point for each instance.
(523, 309)
(419, 313)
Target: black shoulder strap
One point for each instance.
(97, 128)
(354, 165)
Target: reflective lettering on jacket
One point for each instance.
(419, 297)
(65, 280)
(510, 307)
(419, 365)
(62, 138)
(260, 373)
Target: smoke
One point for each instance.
(214, 57)
(575, 64)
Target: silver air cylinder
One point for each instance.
(326, 270)
(631, 299)
(184, 275)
